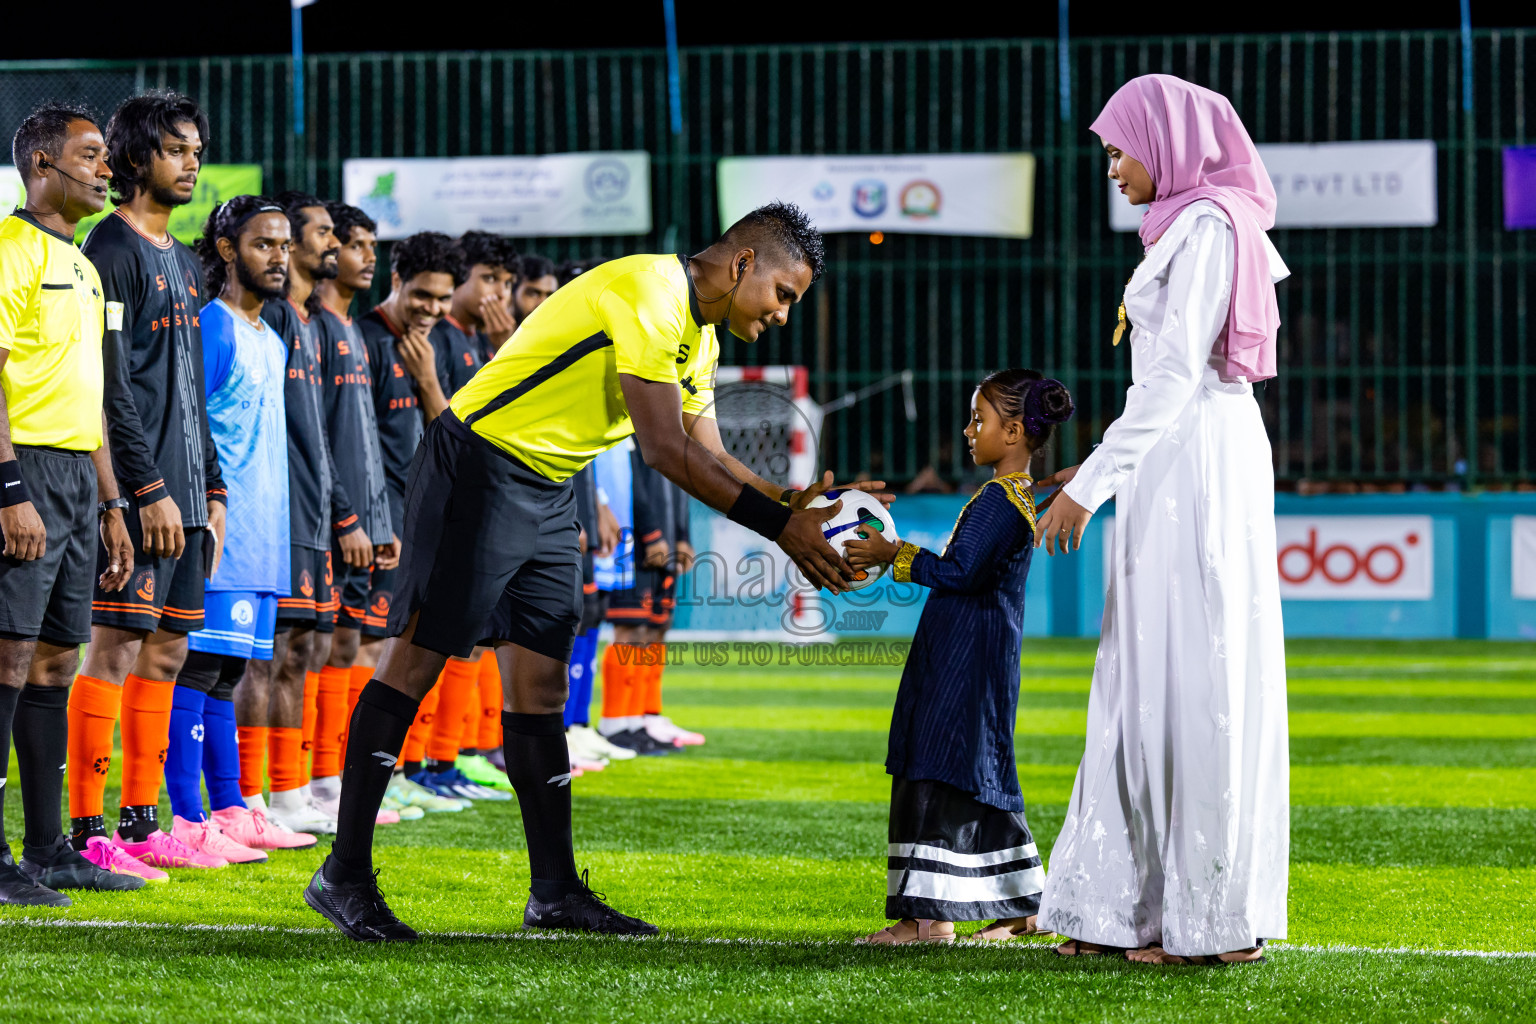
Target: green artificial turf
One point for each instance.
(1413, 852)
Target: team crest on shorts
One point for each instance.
(242, 613)
(146, 585)
(306, 584)
(380, 606)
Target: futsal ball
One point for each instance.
(860, 516)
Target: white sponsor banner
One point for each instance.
(1356, 558)
(1523, 569)
(1337, 185)
(969, 194)
(12, 192)
(606, 193)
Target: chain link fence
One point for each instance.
(1405, 352)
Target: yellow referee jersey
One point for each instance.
(51, 314)
(551, 395)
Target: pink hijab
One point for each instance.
(1195, 147)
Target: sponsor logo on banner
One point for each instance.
(1523, 567)
(949, 194)
(605, 193)
(1356, 558)
(1520, 187)
(1337, 185)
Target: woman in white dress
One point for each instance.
(1176, 843)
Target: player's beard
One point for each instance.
(257, 284)
(327, 270)
(165, 195)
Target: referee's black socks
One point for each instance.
(382, 718)
(539, 768)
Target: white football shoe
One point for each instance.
(290, 810)
(586, 742)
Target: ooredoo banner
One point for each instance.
(1356, 558)
(1523, 569)
(604, 193)
(959, 194)
(1337, 185)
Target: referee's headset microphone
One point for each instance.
(45, 165)
(741, 273)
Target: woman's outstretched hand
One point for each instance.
(1062, 520)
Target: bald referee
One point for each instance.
(53, 471)
(489, 541)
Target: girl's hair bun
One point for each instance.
(1025, 395)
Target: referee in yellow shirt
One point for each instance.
(489, 540)
(53, 471)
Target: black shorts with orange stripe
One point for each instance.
(648, 603)
(163, 593)
(365, 601)
(311, 602)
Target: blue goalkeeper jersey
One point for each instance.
(244, 369)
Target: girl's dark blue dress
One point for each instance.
(960, 848)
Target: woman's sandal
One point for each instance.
(1080, 948)
(997, 931)
(1164, 958)
(888, 936)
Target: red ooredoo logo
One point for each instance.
(1343, 563)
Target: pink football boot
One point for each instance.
(386, 817)
(205, 837)
(166, 851)
(103, 854)
(252, 828)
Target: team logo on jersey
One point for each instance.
(146, 585)
(242, 613)
(306, 583)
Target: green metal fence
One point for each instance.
(1405, 352)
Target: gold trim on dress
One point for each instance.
(902, 565)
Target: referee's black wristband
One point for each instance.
(759, 513)
(13, 489)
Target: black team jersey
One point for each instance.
(461, 352)
(315, 504)
(395, 404)
(152, 352)
(350, 422)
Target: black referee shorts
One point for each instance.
(489, 550)
(49, 598)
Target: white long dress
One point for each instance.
(1179, 827)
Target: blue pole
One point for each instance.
(1064, 59)
(1466, 55)
(674, 86)
(298, 70)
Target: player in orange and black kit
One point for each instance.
(479, 319)
(164, 459)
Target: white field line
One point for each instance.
(527, 936)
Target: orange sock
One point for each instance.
(284, 744)
(357, 678)
(640, 673)
(330, 721)
(146, 738)
(94, 705)
(652, 699)
(618, 675)
(458, 691)
(416, 740)
(311, 716)
(490, 702)
(253, 753)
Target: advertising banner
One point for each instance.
(215, 183)
(1356, 558)
(1520, 187)
(1337, 185)
(1523, 562)
(603, 193)
(965, 194)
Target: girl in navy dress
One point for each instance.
(960, 848)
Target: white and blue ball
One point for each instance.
(860, 516)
